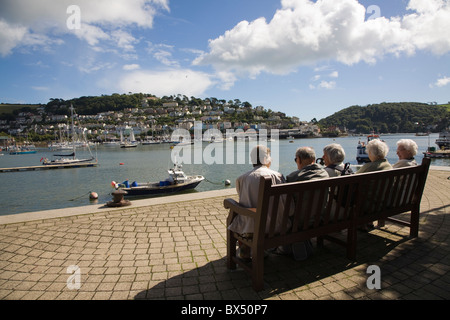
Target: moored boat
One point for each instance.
(361, 155)
(22, 150)
(65, 159)
(129, 142)
(443, 141)
(436, 154)
(176, 182)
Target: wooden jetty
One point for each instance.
(48, 167)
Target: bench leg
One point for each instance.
(231, 250)
(351, 243)
(320, 242)
(258, 269)
(414, 226)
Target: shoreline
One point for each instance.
(101, 208)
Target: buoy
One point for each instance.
(93, 195)
(121, 163)
(227, 182)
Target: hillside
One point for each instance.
(390, 117)
(383, 118)
(8, 108)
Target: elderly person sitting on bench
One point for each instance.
(406, 150)
(333, 158)
(377, 151)
(247, 187)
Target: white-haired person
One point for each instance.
(377, 151)
(247, 186)
(333, 158)
(406, 150)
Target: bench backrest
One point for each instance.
(336, 202)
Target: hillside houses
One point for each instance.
(156, 116)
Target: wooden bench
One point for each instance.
(318, 208)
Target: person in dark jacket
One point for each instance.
(308, 169)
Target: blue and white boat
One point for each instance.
(22, 150)
(361, 154)
(176, 182)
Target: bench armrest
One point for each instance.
(236, 208)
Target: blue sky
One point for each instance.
(306, 58)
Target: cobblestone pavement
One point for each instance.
(177, 251)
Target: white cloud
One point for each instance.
(28, 21)
(327, 84)
(441, 82)
(129, 67)
(90, 65)
(10, 35)
(169, 82)
(91, 34)
(124, 40)
(304, 32)
(334, 74)
(162, 53)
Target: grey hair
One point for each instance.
(260, 155)
(409, 145)
(378, 148)
(306, 153)
(335, 152)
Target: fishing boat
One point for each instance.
(176, 182)
(361, 155)
(150, 141)
(65, 159)
(111, 143)
(443, 141)
(437, 154)
(25, 149)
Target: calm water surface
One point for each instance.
(60, 188)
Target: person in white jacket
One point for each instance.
(247, 186)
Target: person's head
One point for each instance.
(406, 149)
(377, 150)
(260, 155)
(304, 156)
(333, 153)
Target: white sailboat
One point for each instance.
(129, 142)
(63, 159)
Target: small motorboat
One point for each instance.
(443, 141)
(22, 149)
(176, 182)
(361, 155)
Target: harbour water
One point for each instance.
(29, 191)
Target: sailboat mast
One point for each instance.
(72, 129)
